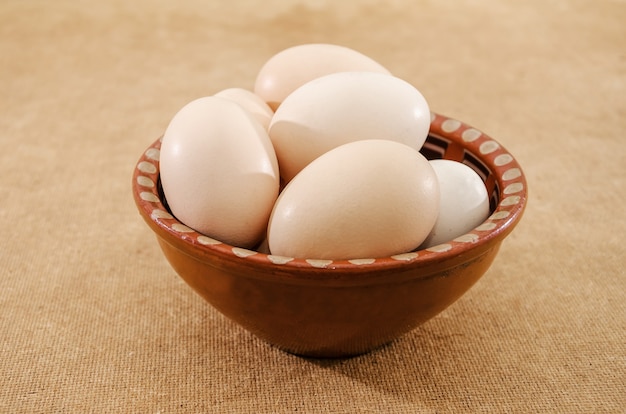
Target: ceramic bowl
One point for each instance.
(339, 308)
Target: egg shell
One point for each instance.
(344, 107)
(464, 202)
(293, 67)
(250, 102)
(219, 171)
(364, 199)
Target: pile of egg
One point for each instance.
(321, 160)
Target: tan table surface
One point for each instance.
(93, 319)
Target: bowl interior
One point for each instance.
(448, 139)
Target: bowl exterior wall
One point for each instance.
(325, 320)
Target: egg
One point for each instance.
(219, 171)
(343, 107)
(464, 202)
(250, 102)
(291, 68)
(364, 199)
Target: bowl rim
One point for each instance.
(510, 188)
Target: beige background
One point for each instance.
(92, 318)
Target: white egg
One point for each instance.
(219, 171)
(250, 102)
(293, 67)
(364, 199)
(344, 107)
(464, 201)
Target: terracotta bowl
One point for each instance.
(323, 308)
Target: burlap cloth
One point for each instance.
(93, 319)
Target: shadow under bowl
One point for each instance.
(340, 308)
